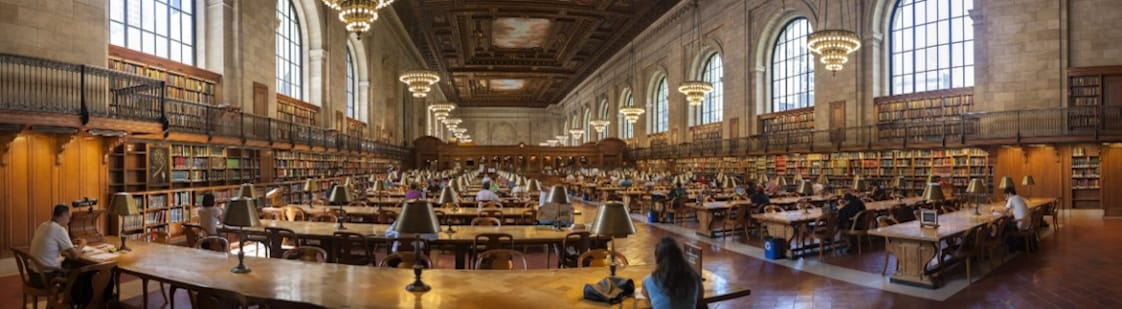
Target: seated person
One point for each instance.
(673, 284)
(50, 242)
(626, 182)
(759, 197)
(210, 217)
(851, 206)
(414, 192)
(879, 194)
(486, 195)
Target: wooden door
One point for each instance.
(837, 121)
(1111, 173)
(260, 99)
(1112, 102)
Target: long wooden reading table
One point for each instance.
(789, 224)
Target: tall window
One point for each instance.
(626, 129)
(290, 57)
(587, 136)
(712, 110)
(792, 68)
(660, 100)
(351, 84)
(165, 28)
(603, 115)
(932, 45)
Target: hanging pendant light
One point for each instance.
(631, 113)
(441, 110)
(420, 81)
(833, 46)
(695, 90)
(599, 125)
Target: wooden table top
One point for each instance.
(888, 204)
(521, 233)
(346, 286)
(790, 217)
(796, 199)
(458, 211)
(951, 224)
(718, 205)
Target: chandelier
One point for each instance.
(695, 91)
(562, 139)
(833, 46)
(577, 133)
(599, 125)
(357, 15)
(419, 81)
(552, 143)
(631, 114)
(442, 110)
(452, 122)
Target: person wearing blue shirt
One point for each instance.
(626, 182)
(673, 284)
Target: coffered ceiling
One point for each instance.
(526, 53)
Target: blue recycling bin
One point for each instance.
(652, 216)
(775, 248)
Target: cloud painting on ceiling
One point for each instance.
(517, 32)
(506, 84)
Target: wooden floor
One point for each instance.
(1075, 268)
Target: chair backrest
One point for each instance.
(213, 243)
(193, 232)
(530, 216)
(408, 244)
(405, 259)
(572, 246)
(160, 237)
(492, 204)
(489, 241)
(306, 254)
(486, 221)
(293, 213)
(827, 223)
(26, 265)
(275, 237)
(491, 213)
(215, 298)
(905, 213)
(335, 211)
(352, 249)
(324, 218)
(862, 220)
(500, 259)
(773, 209)
(386, 216)
(885, 221)
(599, 258)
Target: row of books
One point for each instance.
(1085, 81)
(179, 86)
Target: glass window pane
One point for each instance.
(968, 52)
(161, 20)
(942, 36)
(791, 67)
(117, 10)
(116, 34)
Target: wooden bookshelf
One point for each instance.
(708, 132)
(933, 113)
(292, 110)
(355, 127)
(801, 119)
(183, 82)
(1089, 89)
(1085, 178)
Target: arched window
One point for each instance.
(603, 115)
(588, 131)
(350, 88)
(712, 110)
(290, 58)
(660, 103)
(626, 129)
(792, 68)
(932, 45)
(162, 28)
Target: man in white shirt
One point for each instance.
(485, 195)
(50, 241)
(1017, 204)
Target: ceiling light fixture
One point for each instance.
(833, 46)
(695, 90)
(420, 81)
(599, 125)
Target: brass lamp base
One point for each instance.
(240, 269)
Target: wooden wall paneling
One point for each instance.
(1111, 172)
(1046, 167)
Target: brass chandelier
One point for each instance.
(599, 125)
(631, 113)
(441, 110)
(420, 81)
(833, 46)
(358, 15)
(695, 90)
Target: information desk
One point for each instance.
(461, 240)
(916, 247)
(346, 286)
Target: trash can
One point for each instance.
(652, 216)
(775, 248)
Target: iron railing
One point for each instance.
(44, 86)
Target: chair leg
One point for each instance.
(164, 293)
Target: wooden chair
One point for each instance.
(599, 258)
(214, 243)
(57, 290)
(408, 244)
(825, 231)
(293, 213)
(970, 247)
(529, 217)
(500, 259)
(490, 241)
(572, 246)
(863, 221)
(193, 232)
(1050, 210)
(886, 221)
(738, 219)
(306, 254)
(352, 249)
(280, 240)
(995, 241)
(492, 204)
(770, 208)
(336, 212)
(386, 216)
(495, 213)
(1026, 229)
(33, 282)
(324, 218)
(404, 259)
(486, 221)
(214, 298)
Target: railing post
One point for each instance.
(962, 126)
(1018, 126)
(241, 124)
(163, 110)
(85, 110)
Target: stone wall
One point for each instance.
(508, 126)
(74, 31)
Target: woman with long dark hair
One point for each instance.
(673, 284)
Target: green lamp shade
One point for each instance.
(417, 217)
(241, 212)
(123, 205)
(612, 220)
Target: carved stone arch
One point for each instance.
(311, 33)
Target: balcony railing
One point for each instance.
(44, 86)
(1077, 124)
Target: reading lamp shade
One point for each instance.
(241, 212)
(933, 193)
(123, 205)
(378, 186)
(311, 185)
(557, 195)
(447, 196)
(798, 179)
(417, 217)
(534, 186)
(781, 181)
(763, 179)
(246, 190)
(372, 178)
(340, 195)
(1006, 182)
(348, 182)
(859, 184)
(930, 178)
(521, 182)
(612, 220)
(976, 186)
(1027, 181)
(822, 179)
(730, 183)
(806, 188)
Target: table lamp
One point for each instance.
(859, 184)
(781, 182)
(534, 186)
(1028, 182)
(417, 218)
(310, 187)
(340, 196)
(798, 179)
(241, 212)
(123, 205)
(557, 196)
(613, 221)
(806, 188)
(933, 193)
(976, 188)
(246, 190)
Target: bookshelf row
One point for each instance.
(296, 111)
(708, 132)
(183, 83)
(1085, 177)
(924, 106)
(789, 121)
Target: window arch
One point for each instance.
(626, 129)
(352, 83)
(588, 131)
(165, 29)
(792, 68)
(712, 110)
(603, 116)
(932, 45)
(290, 58)
(660, 107)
